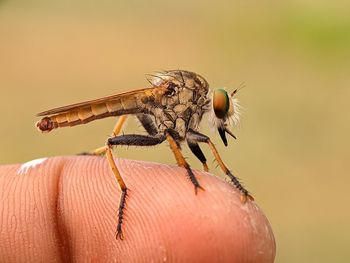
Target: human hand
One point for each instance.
(65, 209)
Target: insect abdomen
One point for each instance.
(86, 114)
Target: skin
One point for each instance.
(64, 210)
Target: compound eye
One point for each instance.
(221, 103)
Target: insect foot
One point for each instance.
(246, 196)
(198, 187)
(119, 235)
(244, 193)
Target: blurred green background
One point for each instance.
(292, 150)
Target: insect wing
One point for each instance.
(117, 98)
(115, 105)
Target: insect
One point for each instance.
(170, 110)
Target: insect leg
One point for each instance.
(148, 123)
(181, 160)
(131, 139)
(196, 136)
(135, 140)
(123, 188)
(116, 130)
(118, 126)
(196, 150)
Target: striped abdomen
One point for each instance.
(85, 112)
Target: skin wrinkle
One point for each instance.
(61, 231)
(20, 211)
(80, 206)
(37, 198)
(164, 219)
(2, 208)
(99, 200)
(93, 205)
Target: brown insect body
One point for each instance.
(81, 113)
(177, 100)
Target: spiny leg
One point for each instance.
(245, 194)
(116, 130)
(181, 160)
(146, 122)
(196, 136)
(134, 140)
(196, 150)
(144, 119)
(149, 126)
(123, 188)
(106, 149)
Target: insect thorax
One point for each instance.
(183, 106)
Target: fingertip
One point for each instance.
(214, 221)
(162, 210)
(163, 218)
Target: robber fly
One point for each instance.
(170, 110)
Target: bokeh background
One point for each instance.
(293, 148)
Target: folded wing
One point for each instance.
(84, 112)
